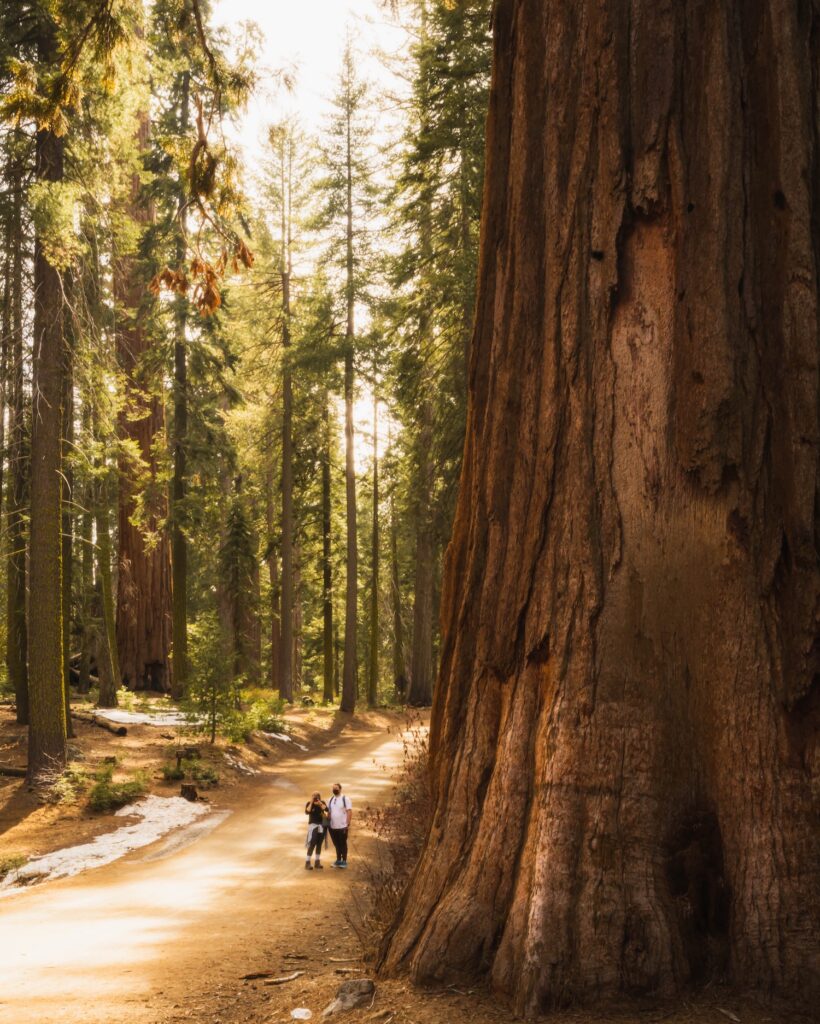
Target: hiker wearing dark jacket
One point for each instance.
(316, 810)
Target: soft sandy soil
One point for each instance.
(167, 933)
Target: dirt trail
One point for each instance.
(167, 933)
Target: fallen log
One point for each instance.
(286, 979)
(15, 773)
(91, 719)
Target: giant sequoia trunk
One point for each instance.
(144, 570)
(625, 760)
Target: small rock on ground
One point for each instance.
(350, 995)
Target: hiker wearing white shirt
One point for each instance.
(341, 813)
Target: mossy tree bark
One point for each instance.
(624, 740)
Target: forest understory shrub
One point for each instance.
(107, 795)
(401, 827)
(191, 768)
(69, 786)
(11, 864)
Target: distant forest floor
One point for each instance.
(168, 933)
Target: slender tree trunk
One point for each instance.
(6, 339)
(179, 542)
(327, 567)
(108, 667)
(47, 732)
(286, 680)
(373, 668)
(297, 617)
(337, 653)
(144, 591)
(17, 639)
(251, 633)
(421, 666)
(273, 573)
(629, 687)
(67, 495)
(350, 670)
(399, 669)
(87, 587)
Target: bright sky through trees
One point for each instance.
(306, 40)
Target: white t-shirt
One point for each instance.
(338, 807)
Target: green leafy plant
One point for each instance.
(173, 772)
(204, 774)
(107, 795)
(126, 699)
(12, 863)
(212, 693)
(68, 787)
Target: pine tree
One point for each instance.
(347, 196)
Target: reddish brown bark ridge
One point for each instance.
(625, 760)
(143, 570)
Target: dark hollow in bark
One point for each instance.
(624, 739)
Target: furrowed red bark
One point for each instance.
(144, 612)
(624, 738)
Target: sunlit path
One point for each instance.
(129, 940)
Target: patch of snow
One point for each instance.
(185, 837)
(163, 718)
(158, 815)
(240, 765)
(284, 738)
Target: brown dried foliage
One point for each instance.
(401, 826)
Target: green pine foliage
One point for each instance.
(382, 266)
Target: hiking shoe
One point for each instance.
(308, 867)
(342, 864)
(336, 864)
(319, 867)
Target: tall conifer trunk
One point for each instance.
(18, 459)
(399, 669)
(421, 666)
(144, 611)
(47, 731)
(286, 652)
(628, 697)
(327, 566)
(350, 663)
(273, 577)
(67, 499)
(373, 667)
(107, 654)
(179, 542)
